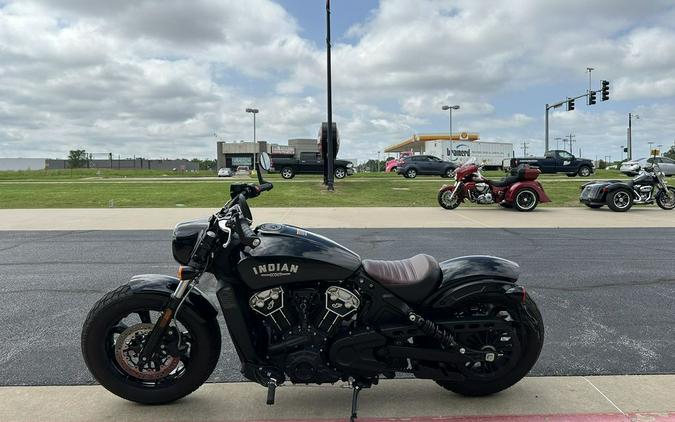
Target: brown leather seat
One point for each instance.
(412, 279)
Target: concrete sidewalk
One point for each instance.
(375, 217)
(535, 398)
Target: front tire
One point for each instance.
(666, 199)
(109, 353)
(620, 200)
(594, 206)
(445, 201)
(525, 200)
(340, 173)
(531, 339)
(584, 171)
(287, 173)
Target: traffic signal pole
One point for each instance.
(329, 142)
(570, 105)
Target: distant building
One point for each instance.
(128, 164)
(234, 154)
(16, 164)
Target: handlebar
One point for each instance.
(265, 187)
(246, 235)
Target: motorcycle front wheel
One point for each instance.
(666, 199)
(115, 331)
(445, 200)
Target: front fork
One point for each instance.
(456, 188)
(169, 313)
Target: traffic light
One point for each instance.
(591, 98)
(570, 105)
(605, 90)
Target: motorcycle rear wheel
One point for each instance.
(117, 326)
(531, 339)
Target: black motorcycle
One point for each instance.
(647, 187)
(303, 308)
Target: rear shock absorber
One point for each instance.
(432, 330)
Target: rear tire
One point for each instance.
(411, 173)
(532, 341)
(594, 206)
(620, 200)
(525, 200)
(99, 348)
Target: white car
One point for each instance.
(225, 172)
(631, 168)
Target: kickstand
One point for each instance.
(355, 401)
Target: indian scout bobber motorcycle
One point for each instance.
(520, 190)
(302, 308)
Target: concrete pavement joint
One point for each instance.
(603, 395)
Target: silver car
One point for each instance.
(631, 168)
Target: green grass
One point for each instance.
(360, 190)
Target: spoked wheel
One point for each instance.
(526, 200)
(447, 201)
(665, 199)
(516, 348)
(116, 330)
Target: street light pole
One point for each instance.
(450, 108)
(253, 111)
(329, 131)
(630, 135)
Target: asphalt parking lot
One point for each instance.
(606, 294)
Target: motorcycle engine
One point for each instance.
(483, 195)
(300, 322)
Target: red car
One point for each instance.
(520, 190)
(392, 165)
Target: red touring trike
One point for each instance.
(520, 190)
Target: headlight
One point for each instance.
(350, 165)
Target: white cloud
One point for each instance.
(158, 77)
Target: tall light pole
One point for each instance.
(557, 143)
(330, 159)
(450, 108)
(629, 137)
(253, 111)
(622, 147)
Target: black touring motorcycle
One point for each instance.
(303, 308)
(647, 187)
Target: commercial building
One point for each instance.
(17, 164)
(458, 148)
(234, 154)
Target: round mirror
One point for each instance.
(265, 161)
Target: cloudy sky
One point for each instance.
(157, 78)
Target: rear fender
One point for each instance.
(612, 186)
(534, 185)
(473, 275)
(165, 285)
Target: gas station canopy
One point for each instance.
(416, 142)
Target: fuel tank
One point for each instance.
(289, 254)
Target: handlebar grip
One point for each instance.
(266, 186)
(247, 235)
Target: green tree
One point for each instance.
(77, 158)
(670, 153)
(205, 164)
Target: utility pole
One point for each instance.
(253, 111)
(329, 155)
(524, 147)
(572, 141)
(629, 139)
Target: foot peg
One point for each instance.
(271, 389)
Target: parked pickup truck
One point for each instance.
(309, 163)
(556, 161)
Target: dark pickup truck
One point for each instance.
(556, 161)
(309, 163)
